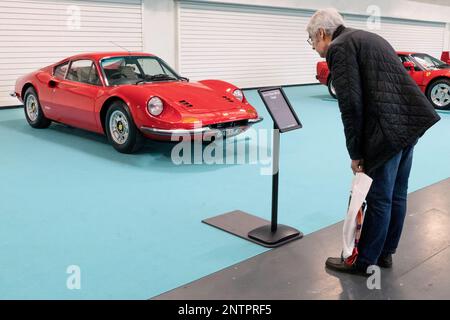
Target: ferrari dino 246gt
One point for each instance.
(128, 96)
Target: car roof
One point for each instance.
(406, 53)
(101, 55)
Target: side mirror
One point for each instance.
(409, 65)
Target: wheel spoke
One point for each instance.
(32, 107)
(440, 94)
(119, 127)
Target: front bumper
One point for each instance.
(202, 131)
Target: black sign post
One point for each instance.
(263, 232)
(284, 119)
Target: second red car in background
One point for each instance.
(431, 75)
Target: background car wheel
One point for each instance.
(331, 89)
(439, 94)
(121, 130)
(33, 110)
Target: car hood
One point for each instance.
(192, 96)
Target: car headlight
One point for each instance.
(155, 106)
(238, 95)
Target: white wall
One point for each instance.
(160, 17)
(159, 25)
(389, 8)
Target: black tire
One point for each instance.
(122, 121)
(331, 88)
(33, 111)
(442, 103)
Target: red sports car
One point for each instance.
(431, 75)
(128, 96)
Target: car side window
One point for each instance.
(93, 76)
(83, 71)
(60, 71)
(408, 59)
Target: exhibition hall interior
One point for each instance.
(224, 150)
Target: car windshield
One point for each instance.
(428, 62)
(136, 69)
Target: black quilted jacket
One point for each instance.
(382, 108)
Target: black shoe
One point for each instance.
(337, 264)
(385, 261)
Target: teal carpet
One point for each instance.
(132, 223)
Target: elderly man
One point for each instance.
(384, 113)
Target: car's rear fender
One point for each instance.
(23, 83)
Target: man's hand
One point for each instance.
(357, 166)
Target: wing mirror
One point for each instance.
(409, 65)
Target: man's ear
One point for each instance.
(321, 34)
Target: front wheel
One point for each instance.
(331, 89)
(439, 94)
(33, 111)
(120, 129)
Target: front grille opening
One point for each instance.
(227, 125)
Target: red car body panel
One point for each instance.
(322, 72)
(187, 105)
(445, 56)
(422, 78)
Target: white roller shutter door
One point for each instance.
(36, 33)
(258, 46)
(406, 35)
(247, 46)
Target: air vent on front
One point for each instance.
(228, 99)
(185, 103)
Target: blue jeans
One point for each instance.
(386, 208)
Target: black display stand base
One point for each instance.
(239, 223)
(266, 237)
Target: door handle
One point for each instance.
(53, 83)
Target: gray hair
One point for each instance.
(327, 19)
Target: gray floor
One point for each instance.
(296, 270)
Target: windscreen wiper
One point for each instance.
(156, 77)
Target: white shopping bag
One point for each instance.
(355, 215)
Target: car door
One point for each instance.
(417, 74)
(46, 96)
(74, 96)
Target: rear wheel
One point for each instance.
(33, 111)
(331, 89)
(439, 94)
(120, 129)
